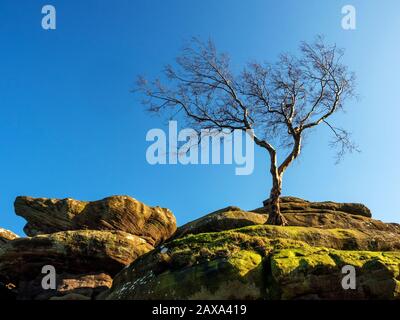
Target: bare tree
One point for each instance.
(277, 103)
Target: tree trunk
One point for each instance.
(275, 215)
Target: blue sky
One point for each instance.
(69, 127)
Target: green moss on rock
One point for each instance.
(317, 272)
(260, 262)
(236, 277)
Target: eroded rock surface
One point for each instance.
(224, 219)
(87, 243)
(260, 262)
(68, 287)
(82, 254)
(296, 205)
(121, 213)
(76, 252)
(119, 248)
(234, 217)
(6, 235)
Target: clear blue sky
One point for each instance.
(69, 127)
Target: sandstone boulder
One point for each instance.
(122, 213)
(76, 252)
(295, 205)
(316, 273)
(260, 262)
(6, 235)
(233, 217)
(227, 254)
(224, 219)
(68, 287)
(84, 261)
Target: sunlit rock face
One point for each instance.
(6, 235)
(120, 248)
(121, 213)
(261, 262)
(232, 254)
(86, 244)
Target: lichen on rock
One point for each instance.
(119, 248)
(258, 262)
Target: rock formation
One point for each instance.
(68, 287)
(86, 242)
(113, 213)
(119, 248)
(231, 254)
(299, 213)
(223, 219)
(77, 252)
(261, 262)
(297, 205)
(6, 236)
